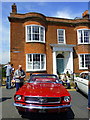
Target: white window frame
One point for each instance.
(80, 67)
(64, 42)
(78, 35)
(33, 61)
(31, 33)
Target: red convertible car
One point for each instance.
(43, 93)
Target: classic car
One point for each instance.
(81, 82)
(44, 94)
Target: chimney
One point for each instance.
(85, 14)
(14, 8)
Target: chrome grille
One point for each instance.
(53, 100)
(42, 100)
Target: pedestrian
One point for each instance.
(68, 82)
(12, 75)
(65, 80)
(19, 76)
(9, 70)
(88, 88)
(31, 74)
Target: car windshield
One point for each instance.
(44, 78)
(85, 76)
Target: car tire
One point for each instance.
(21, 112)
(76, 87)
(69, 114)
(23, 116)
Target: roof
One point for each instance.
(84, 72)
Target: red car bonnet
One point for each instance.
(43, 90)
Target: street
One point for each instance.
(78, 110)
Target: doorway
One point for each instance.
(60, 63)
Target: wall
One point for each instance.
(18, 38)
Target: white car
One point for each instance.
(81, 82)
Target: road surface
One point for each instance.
(78, 111)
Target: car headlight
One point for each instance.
(67, 98)
(18, 97)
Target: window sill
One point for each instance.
(83, 43)
(83, 68)
(35, 42)
(36, 70)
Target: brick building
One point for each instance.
(48, 44)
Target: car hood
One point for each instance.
(43, 90)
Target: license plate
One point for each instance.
(42, 111)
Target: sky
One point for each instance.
(68, 10)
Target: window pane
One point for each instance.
(29, 61)
(61, 36)
(35, 29)
(28, 29)
(42, 62)
(87, 60)
(35, 36)
(80, 36)
(28, 32)
(29, 36)
(42, 37)
(36, 61)
(84, 60)
(35, 33)
(61, 32)
(61, 39)
(42, 33)
(86, 36)
(81, 60)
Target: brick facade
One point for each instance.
(19, 47)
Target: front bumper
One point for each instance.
(41, 107)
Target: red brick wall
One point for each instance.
(17, 44)
(80, 49)
(18, 39)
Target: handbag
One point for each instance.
(13, 81)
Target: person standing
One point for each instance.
(19, 76)
(9, 70)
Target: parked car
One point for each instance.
(43, 93)
(81, 82)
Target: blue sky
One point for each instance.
(52, 9)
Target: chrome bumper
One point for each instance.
(40, 107)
